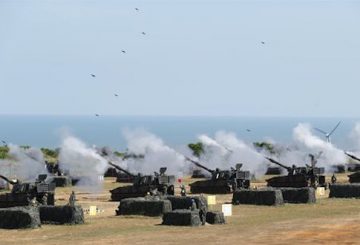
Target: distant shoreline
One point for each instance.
(47, 130)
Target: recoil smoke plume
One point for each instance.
(26, 163)
(226, 150)
(82, 162)
(330, 154)
(156, 154)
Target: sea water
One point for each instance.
(47, 131)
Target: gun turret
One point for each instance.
(121, 169)
(9, 181)
(279, 164)
(352, 156)
(199, 165)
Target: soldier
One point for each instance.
(333, 179)
(217, 173)
(183, 191)
(193, 205)
(72, 199)
(32, 201)
(202, 210)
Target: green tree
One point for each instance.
(4, 150)
(265, 146)
(197, 148)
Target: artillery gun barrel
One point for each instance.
(352, 156)
(121, 169)
(279, 164)
(9, 181)
(199, 165)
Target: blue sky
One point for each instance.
(197, 58)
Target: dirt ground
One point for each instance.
(329, 221)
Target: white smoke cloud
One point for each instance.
(330, 154)
(25, 164)
(355, 136)
(226, 150)
(156, 154)
(82, 161)
(215, 155)
(212, 144)
(109, 154)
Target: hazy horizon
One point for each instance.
(48, 131)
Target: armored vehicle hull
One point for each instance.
(298, 177)
(124, 178)
(24, 194)
(123, 192)
(354, 178)
(221, 181)
(8, 200)
(211, 187)
(197, 174)
(353, 167)
(128, 192)
(273, 171)
(61, 181)
(160, 184)
(296, 181)
(219, 186)
(111, 172)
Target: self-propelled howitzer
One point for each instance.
(297, 177)
(122, 175)
(221, 181)
(157, 184)
(41, 191)
(355, 177)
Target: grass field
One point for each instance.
(329, 221)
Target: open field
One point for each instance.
(329, 221)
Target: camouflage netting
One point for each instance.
(143, 206)
(270, 197)
(299, 195)
(215, 217)
(180, 202)
(61, 215)
(62, 181)
(19, 218)
(344, 191)
(182, 217)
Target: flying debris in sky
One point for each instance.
(97, 115)
(143, 33)
(116, 95)
(136, 9)
(248, 130)
(93, 75)
(262, 42)
(123, 51)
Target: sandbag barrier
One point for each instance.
(269, 197)
(19, 218)
(182, 217)
(60, 215)
(298, 195)
(344, 191)
(215, 217)
(180, 202)
(142, 206)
